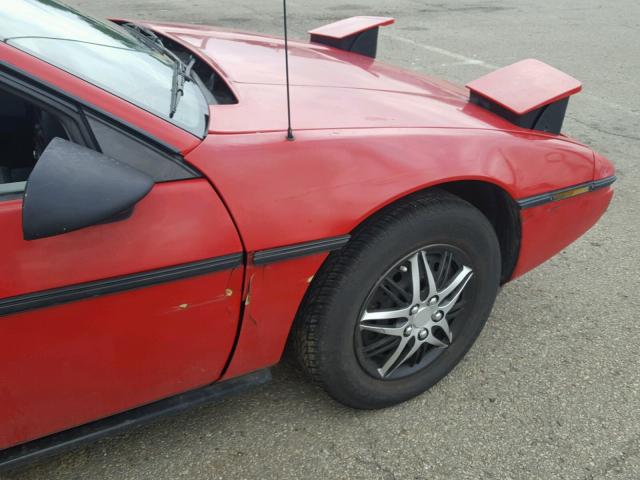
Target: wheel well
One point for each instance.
(496, 205)
(501, 211)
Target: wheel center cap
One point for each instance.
(421, 318)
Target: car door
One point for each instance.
(120, 314)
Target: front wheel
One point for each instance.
(395, 310)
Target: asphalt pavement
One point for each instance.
(551, 390)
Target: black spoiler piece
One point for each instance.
(355, 34)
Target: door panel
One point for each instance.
(89, 356)
(176, 223)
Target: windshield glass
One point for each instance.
(105, 55)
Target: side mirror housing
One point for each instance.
(73, 187)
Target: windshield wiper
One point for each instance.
(180, 74)
(148, 36)
(180, 71)
(177, 88)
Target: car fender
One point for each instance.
(326, 183)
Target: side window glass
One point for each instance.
(25, 131)
(125, 147)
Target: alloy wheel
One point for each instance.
(413, 312)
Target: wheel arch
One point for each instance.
(493, 201)
(502, 212)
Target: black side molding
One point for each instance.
(264, 257)
(563, 193)
(28, 453)
(82, 291)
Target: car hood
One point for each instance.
(331, 89)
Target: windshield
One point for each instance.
(105, 55)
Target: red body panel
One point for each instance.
(93, 358)
(273, 294)
(71, 363)
(602, 167)
(549, 228)
(525, 86)
(327, 182)
(367, 93)
(176, 223)
(351, 26)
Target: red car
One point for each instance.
(163, 240)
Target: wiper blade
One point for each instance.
(177, 88)
(146, 35)
(150, 39)
(180, 74)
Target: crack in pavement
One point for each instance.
(601, 130)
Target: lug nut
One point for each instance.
(414, 309)
(423, 334)
(407, 331)
(436, 317)
(403, 269)
(432, 301)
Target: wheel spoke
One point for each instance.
(431, 283)
(385, 315)
(392, 363)
(444, 325)
(415, 279)
(394, 356)
(395, 331)
(461, 280)
(462, 277)
(432, 340)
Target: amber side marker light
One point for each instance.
(565, 193)
(572, 193)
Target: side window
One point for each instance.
(25, 131)
(127, 148)
(28, 123)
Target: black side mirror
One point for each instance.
(73, 187)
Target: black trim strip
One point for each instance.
(563, 193)
(603, 182)
(14, 188)
(23, 455)
(129, 131)
(264, 257)
(83, 291)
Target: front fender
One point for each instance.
(325, 183)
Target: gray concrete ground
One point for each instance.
(552, 387)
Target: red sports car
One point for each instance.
(163, 239)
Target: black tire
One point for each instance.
(326, 332)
